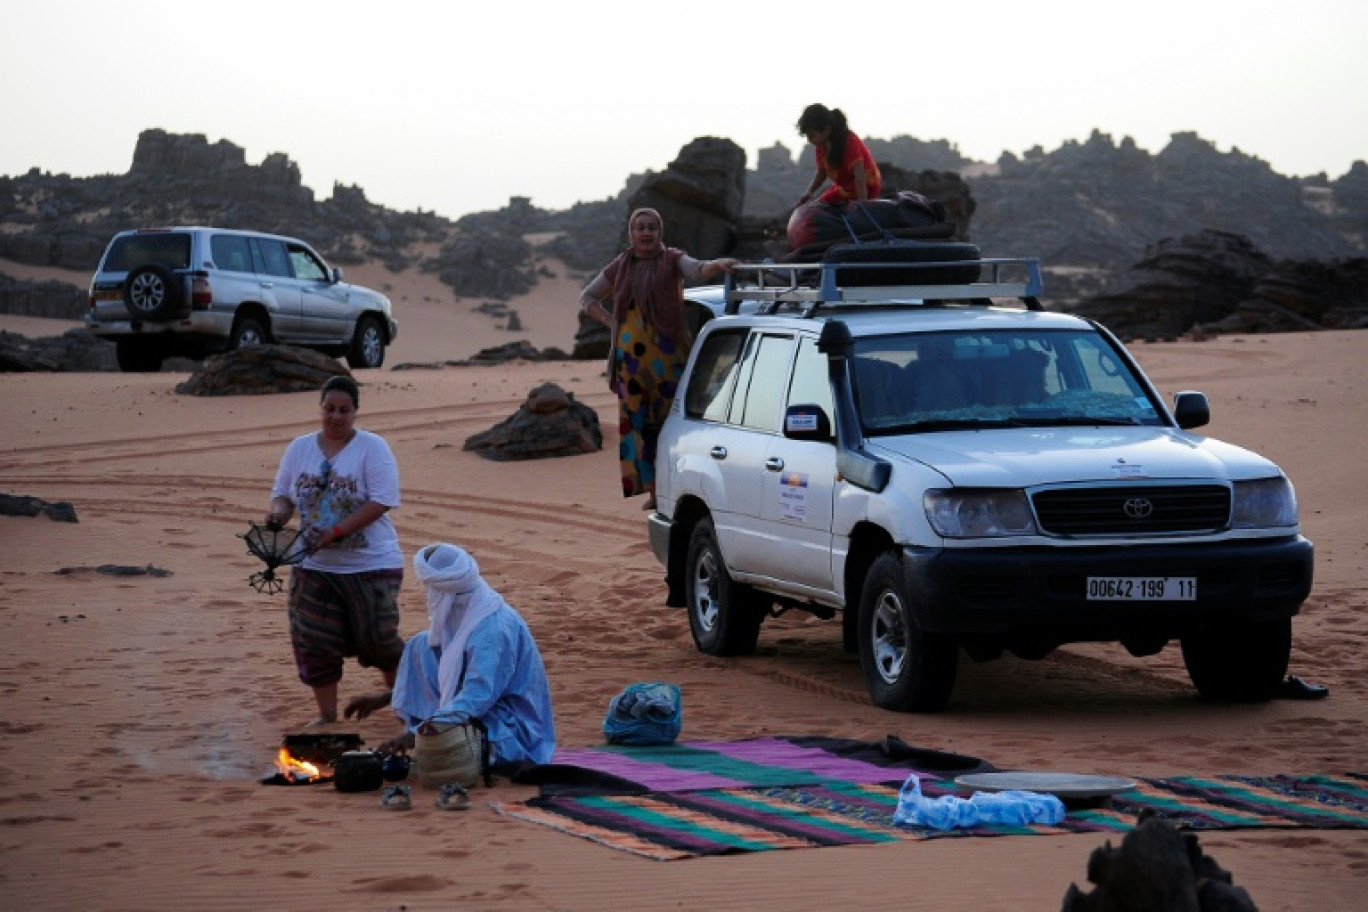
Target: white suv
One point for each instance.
(193, 291)
(953, 467)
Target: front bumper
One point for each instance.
(1041, 592)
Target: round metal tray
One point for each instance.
(1061, 785)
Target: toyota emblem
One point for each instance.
(1137, 508)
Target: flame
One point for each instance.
(294, 769)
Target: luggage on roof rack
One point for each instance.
(812, 285)
(893, 256)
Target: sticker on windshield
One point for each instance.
(793, 488)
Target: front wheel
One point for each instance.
(368, 344)
(724, 616)
(1243, 662)
(906, 669)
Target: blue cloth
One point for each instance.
(1011, 808)
(503, 685)
(644, 714)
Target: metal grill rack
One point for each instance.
(808, 286)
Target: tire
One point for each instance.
(905, 668)
(1239, 662)
(248, 331)
(906, 252)
(137, 356)
(152, 292)
(368, 344)
(724, 617)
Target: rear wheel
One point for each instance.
(906, 669)
(724, 616)
(248, 331)
(137, 356)
(1242, 662)
(368, 344)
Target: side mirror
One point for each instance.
(807, 422)
(336, 274)
(1190, 409)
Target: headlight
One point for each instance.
(1263, 503)
(979, 514)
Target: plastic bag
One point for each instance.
(644, 714)
(1011, 808)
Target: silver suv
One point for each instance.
(954, 469)
(191, 291)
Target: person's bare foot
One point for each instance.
(650, 503)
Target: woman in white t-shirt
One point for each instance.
(344, 596)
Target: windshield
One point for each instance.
(1011, 378)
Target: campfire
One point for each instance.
(302, 759)
(290, 770)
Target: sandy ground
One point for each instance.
(139, 713)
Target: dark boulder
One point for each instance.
(261, 369)
(1220, 282)
(20, 505)
(549, 423)
(699, 196)
(74, 350)
(1157, 867)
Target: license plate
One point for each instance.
(1142, 588)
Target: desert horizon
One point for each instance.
(141, 712)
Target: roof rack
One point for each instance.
(811, 285)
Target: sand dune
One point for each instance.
(141, 711)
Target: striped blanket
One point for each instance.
(714, 798)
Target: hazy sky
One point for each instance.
(455, 106)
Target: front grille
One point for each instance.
(1133, 509)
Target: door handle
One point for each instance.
(774, 464)
(718, 452)
(268, 284)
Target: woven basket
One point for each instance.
(452, 753)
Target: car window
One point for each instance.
(231, 252)
(758, 406)
(811, 383)
(133, 250)
(714, 376)
(272, 257)
(306, 266)
(1012, 377)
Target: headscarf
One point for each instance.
(652, 281)
(458, 599)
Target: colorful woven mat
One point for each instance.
(844, 793)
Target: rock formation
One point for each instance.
(261, 369)
(1089, 210)
(549, 423)
(1217, 282)
(74, 350)
(1157, 867)
(21, 505)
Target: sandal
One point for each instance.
(396, 798)
(1294, 688)
(454, 797)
